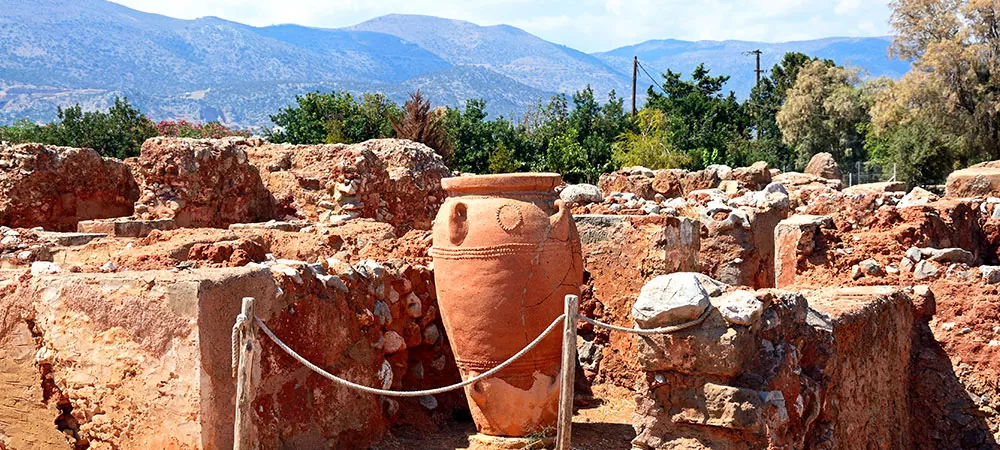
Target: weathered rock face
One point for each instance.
(56, 187)
(390, 180)
(788, 376)
(980, 180)
(795, 240)
(823, 165)
(133, 360)
(755, 177)
(199, 183)
(622, 253)
(142, 359)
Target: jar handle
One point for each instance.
(559, 221)
(458, 223)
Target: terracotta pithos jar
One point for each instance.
(506, 253)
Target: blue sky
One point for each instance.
(587, 25)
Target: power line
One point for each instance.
(651, 78)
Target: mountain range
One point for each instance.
(62, 52)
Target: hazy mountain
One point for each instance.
(61, 52)
(729, 57)
(504, 49)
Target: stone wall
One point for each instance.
(621, 253)
(56, 187)
(830, 373)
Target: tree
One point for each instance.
(824, 112)
(702, 120)
(948, 102)
(761, 109)
(334, 117)
(649, 145)
(421, 124)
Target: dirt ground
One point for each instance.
(604, 423)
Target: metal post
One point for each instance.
(241, 426)
(567, 375)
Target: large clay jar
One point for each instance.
(506, 253)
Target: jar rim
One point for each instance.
(507, 182)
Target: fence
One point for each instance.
(244, 346)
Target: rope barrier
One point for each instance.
(241, 324)
(651, 331)
(441, 390)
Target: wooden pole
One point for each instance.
(567, 375)
(242, 425)
(635, 73)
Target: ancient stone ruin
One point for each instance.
(799, 313)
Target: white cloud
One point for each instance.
(588, 25)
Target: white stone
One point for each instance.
(670, 300)
(740, 308)
(924, 269)
(385, 374)
(914, 254)
(39, 268)
(581, 194)
(948, 255)
(991, 274)
(10, 240)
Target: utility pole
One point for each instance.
(756, 53)
(757, 71)
(635, 72)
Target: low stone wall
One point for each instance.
(142, 359)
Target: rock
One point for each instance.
(413, 306)
(723, 171)
(924, 270)
(428, 401)
(870, 267)
(740, 308)
(39, 268)
(57, 187)
(431, 335)
(981, 180)
(670, 300)
(392, 342)
(754, 177)
(624, 180)
(914, 254)
(916, 197)
(668, 183)
(948, 255)
(823, 165)
(651, 208)
(700, 180)
(713, 287)
(581, 194)
(881, 187)
(906, 265)
(923, 302)
(856, 272)
(991, 274)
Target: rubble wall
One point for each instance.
(56, 187)
(829, 374)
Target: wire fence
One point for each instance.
(244, 345)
